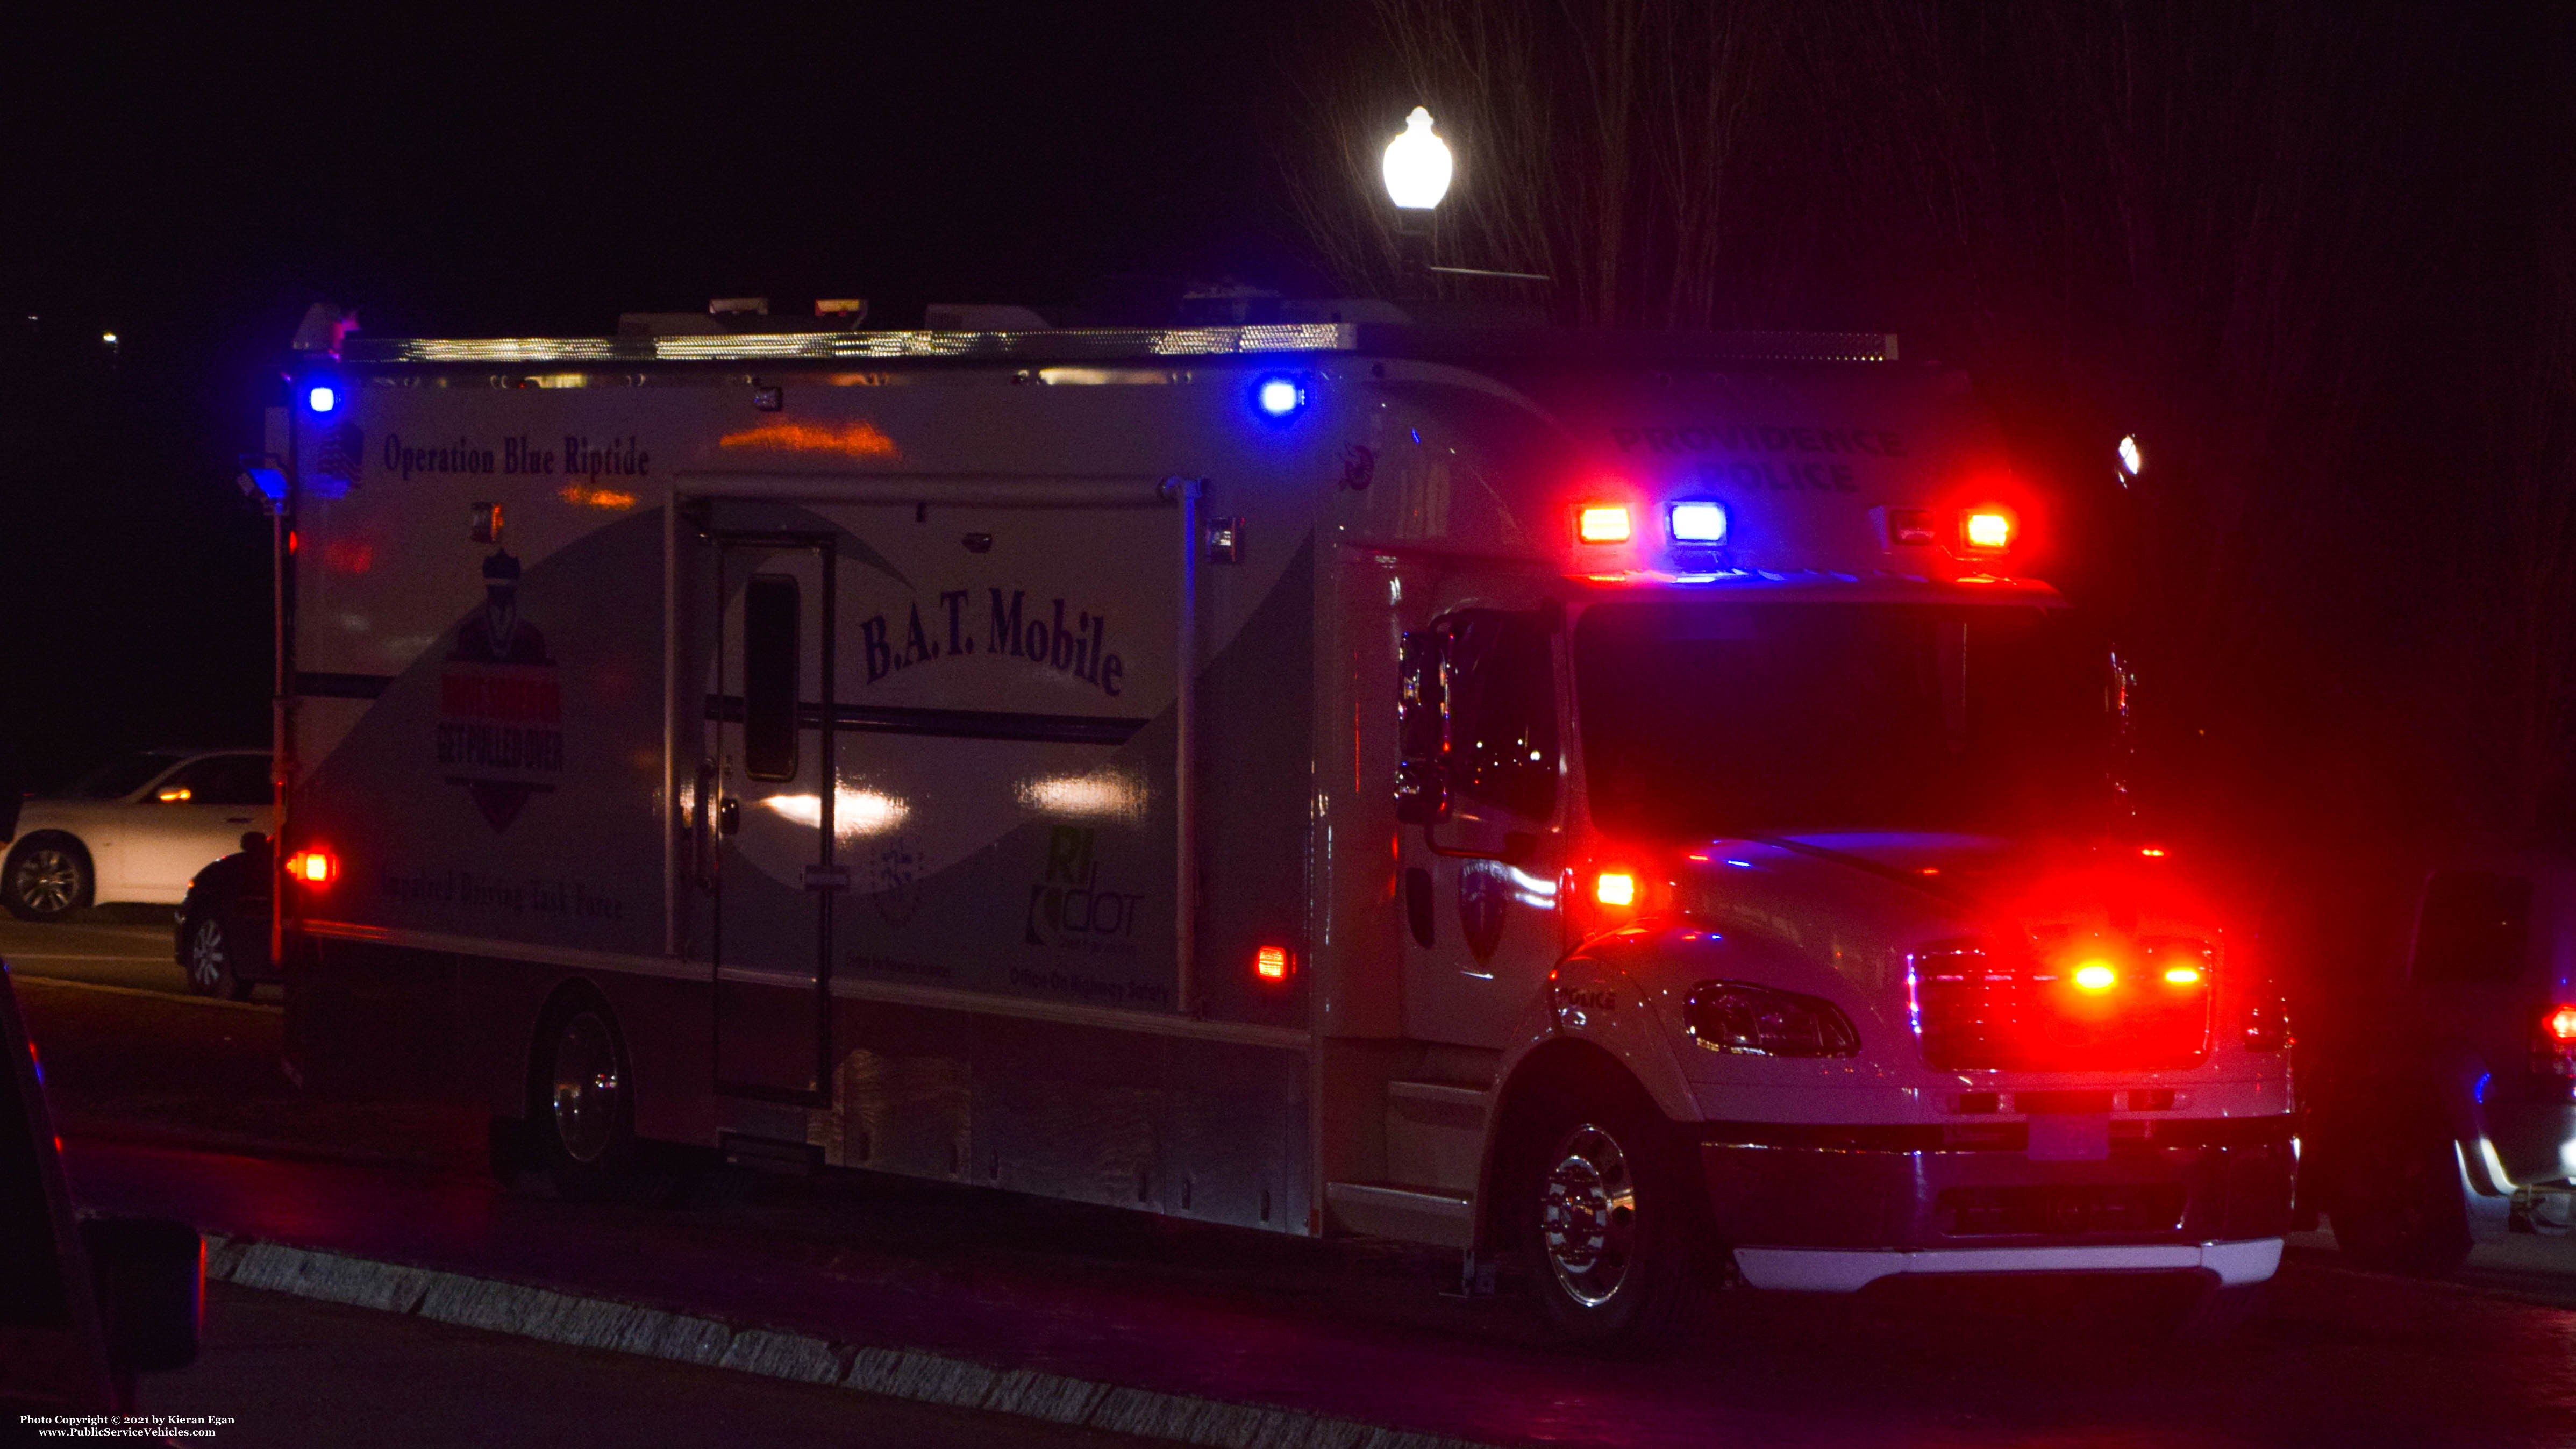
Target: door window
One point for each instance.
(219, 780)
(2474, 929)
(1502, 687)
(769, 618)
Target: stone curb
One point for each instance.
(896, 1373)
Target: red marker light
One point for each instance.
(1602, 523)
(2562, 1023)
(313, 867)
(1270, 963)
(1615, 888)
(2152, 852)
(2095, 976)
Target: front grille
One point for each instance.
(1981, 1009)
(2034, 1209)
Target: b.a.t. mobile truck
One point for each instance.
(1622, 805)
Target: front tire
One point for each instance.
(1612, 1223)
(46, 878)
(208, 949)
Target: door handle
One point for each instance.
(701, 845)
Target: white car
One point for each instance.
(135, 829)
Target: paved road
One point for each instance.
(124, 946)
(175, 1106)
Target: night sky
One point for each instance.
(192, 189)
(2310, 252)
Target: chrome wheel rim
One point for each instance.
(1588, 1216)
(588, 1091)
(206, 955)
(48, 880)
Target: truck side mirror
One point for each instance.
(1422, 728)
(151, 1276)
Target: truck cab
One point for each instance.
(1765, 868)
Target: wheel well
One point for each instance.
(66, 837)
(1559, 1069)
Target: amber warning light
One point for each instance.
(312, 867)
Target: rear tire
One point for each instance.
(1611, 1221)
(46, 878)
(2397, 1204)
(581, 1120)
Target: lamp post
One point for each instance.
(1416, 168)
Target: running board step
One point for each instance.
(768, 1154)
(1406, 1214)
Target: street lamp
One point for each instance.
(1417, 165)
(1416, 169)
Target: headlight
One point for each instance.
(1742, 1019)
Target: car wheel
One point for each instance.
(582, 1117)
(212, 969)
(2397, 1203)
(45, 879)
(1610, 1221)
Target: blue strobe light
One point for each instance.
(322, 397)
(1699, 522)
(1278, 397)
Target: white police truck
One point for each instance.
(1622, 806)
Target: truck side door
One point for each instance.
(1479, 883)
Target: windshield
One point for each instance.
(121, 777)
(1705, 719)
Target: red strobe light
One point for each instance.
(1602, 523)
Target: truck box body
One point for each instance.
(977, 756)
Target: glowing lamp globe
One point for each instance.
(1417, 165)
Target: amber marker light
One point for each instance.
(1270, 963)
(1602, 523)
(2095, 976)
(1615, 888)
